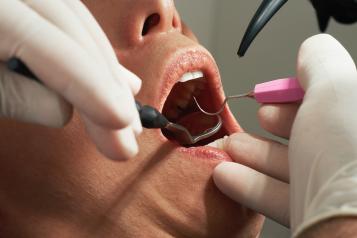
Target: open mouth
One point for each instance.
(180, 107)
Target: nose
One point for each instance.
(150, 18)
(163, 18)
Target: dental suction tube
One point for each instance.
(343, 11)
(265, 12)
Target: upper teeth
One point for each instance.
(191, 76)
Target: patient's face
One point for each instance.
(53, 181)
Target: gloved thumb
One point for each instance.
(323, 138)
(322, 59)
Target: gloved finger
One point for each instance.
(63, 65)
(255, 190)
(114, 144)
(322, 59)
(28, 101)
(68, 20)
(96, 32)
(61, 15)
(322, 145)
(266, 156)
(278, 119)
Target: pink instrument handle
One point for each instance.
(285, 90)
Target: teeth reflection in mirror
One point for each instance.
(191, 76)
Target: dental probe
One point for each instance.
(284, 90)
(150, 117)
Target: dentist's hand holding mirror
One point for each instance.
(63, 45)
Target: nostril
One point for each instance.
(150, 22)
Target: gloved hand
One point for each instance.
(63, 45)
(322, 149)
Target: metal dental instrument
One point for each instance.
(284, 90)
(153, 119)
(149, 116)
(183, 135)
(245, 95)
(343, 11)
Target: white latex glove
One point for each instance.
(323, 146)
(322, 149)
(61, 43)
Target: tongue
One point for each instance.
(197, 122)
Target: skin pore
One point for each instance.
(54, 183)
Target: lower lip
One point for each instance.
(205, 153)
